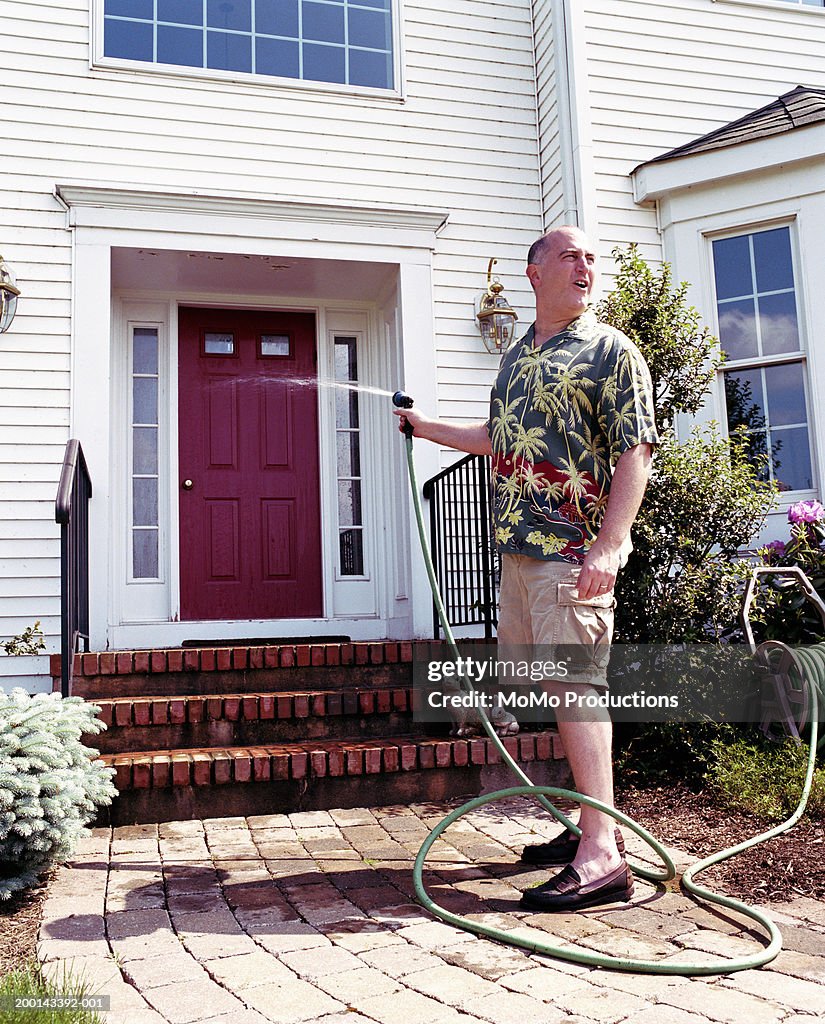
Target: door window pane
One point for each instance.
(217, 344)
(145, 454)
(145, 554)
(348, 456)
(145, 350)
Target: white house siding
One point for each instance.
(665, 72)
(548, 100)
(463, 139)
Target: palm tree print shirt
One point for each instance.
(561, 414)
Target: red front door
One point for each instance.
(250, 534)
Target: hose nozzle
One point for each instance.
(401, 400)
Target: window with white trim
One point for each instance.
(347, 42)
(144, 426)
(765, 375)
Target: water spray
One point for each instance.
(811, 670)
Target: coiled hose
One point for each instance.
(809, 663)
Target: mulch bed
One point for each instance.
(792, 864)
(19, 924)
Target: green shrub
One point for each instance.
(763, 778)
(50, 783)
(30, 641)
(705, 499)
(28, 981)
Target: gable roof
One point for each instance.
(801, 106)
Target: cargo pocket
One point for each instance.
(583, 632)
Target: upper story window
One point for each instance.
(348, 42)
(765, 375)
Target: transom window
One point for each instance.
(339, 41)
(765, 376)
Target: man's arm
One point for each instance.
(627, 488)
(464, 437)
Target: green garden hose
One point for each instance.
(809, 663)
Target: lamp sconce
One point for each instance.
(8, 296)
(496, 320)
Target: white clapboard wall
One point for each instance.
(463, 139)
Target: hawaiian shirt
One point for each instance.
(560, 417)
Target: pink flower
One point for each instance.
(806, 512)
(773, 553)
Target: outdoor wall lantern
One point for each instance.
(496, 320)
(8, 296)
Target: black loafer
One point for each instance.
(561, 850)
(565, 891)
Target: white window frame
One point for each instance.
(777, 5)
(100, 62)
(759, 361)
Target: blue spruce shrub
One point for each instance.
(51, 784)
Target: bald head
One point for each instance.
(557, 237)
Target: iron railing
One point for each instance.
(464, 558)
(72, 512)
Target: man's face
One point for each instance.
(565, 275)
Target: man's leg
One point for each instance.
(586, 734)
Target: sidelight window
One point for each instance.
(144, 424)
(348, 458)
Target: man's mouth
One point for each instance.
(581, 284)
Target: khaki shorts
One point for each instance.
(539, 607)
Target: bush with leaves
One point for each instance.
(30, 641)
(50, 783)
(705, 499)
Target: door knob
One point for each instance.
(187, 485)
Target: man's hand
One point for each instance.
(603, 560)
(417, 420)
(598, 572)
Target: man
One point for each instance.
(571, 398)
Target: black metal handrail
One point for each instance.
(464, 558)
(72, 512)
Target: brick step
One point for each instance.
(203, 671)
(169, 785)
(256, 719)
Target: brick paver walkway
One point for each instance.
(310, 917)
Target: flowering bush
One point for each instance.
(786, 614)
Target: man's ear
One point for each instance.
(533, 275)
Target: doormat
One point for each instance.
(268, 641)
